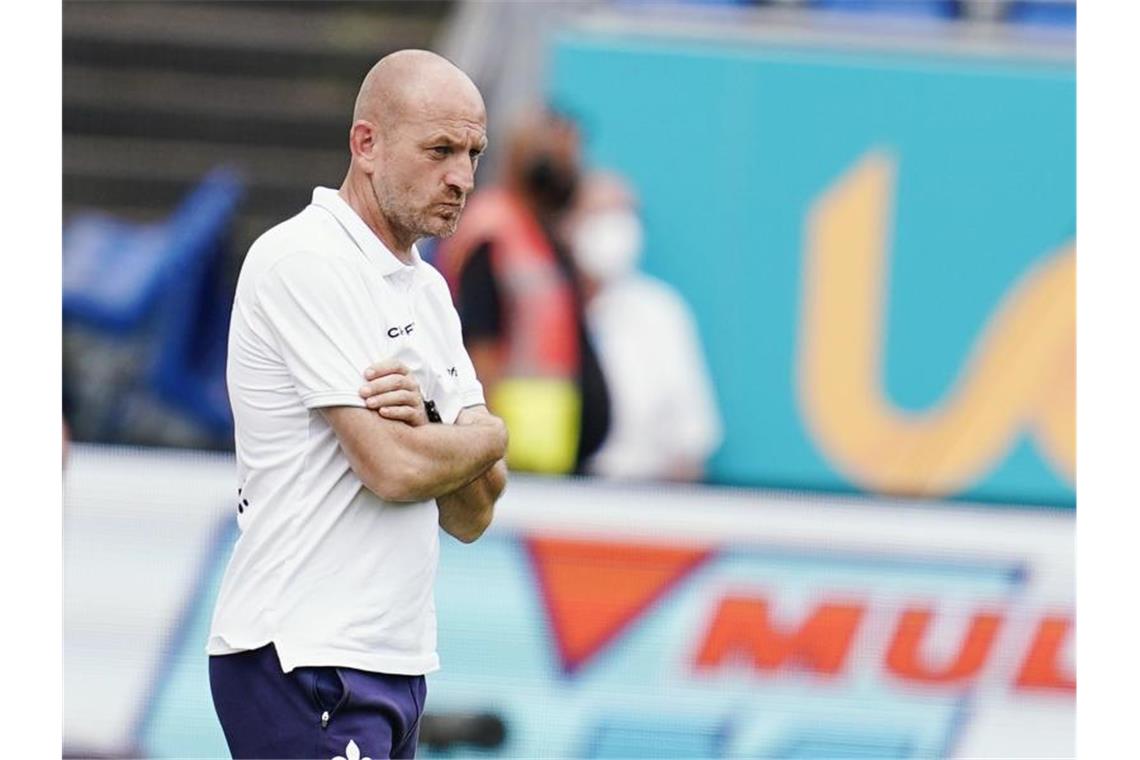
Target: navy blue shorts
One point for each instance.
(314, 712)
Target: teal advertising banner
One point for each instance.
(879, 250)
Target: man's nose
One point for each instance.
(462, 177)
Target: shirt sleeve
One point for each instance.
(316, 308)
(461, 388)
(469, 391)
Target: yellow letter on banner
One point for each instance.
(1020, 373)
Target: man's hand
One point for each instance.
(391, 390)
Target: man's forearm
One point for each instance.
(466, 512)
(403, 463)
(454, 457)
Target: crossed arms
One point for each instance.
(401, 458)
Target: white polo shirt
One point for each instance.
(325, 569)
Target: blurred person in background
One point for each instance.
(324, 626)
(518, 297)
(664, 420)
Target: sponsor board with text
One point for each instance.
(600, 620)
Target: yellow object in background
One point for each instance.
(1020, 374)
(543, 417)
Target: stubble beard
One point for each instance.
(409, 223)
(448, 226)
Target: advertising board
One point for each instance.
(879, 249)
(598, 620)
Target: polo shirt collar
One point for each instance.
(361, 234)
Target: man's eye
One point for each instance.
(441, 150)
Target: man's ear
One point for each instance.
(364, 144)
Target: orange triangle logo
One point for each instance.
(593, 590)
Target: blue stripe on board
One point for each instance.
(221, 539)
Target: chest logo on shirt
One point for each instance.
(451, 371)
(395, 332)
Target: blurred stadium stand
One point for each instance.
(155, 97)
(158, 289)
(157, 94)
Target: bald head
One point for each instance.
(418, 129)
(408, 84)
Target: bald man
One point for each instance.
(360, 431)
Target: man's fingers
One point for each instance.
(387, 383)
(386, 367)
(402, 413)
(393, 398)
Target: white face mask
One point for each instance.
(608, 244)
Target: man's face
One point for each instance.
(428, 167)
